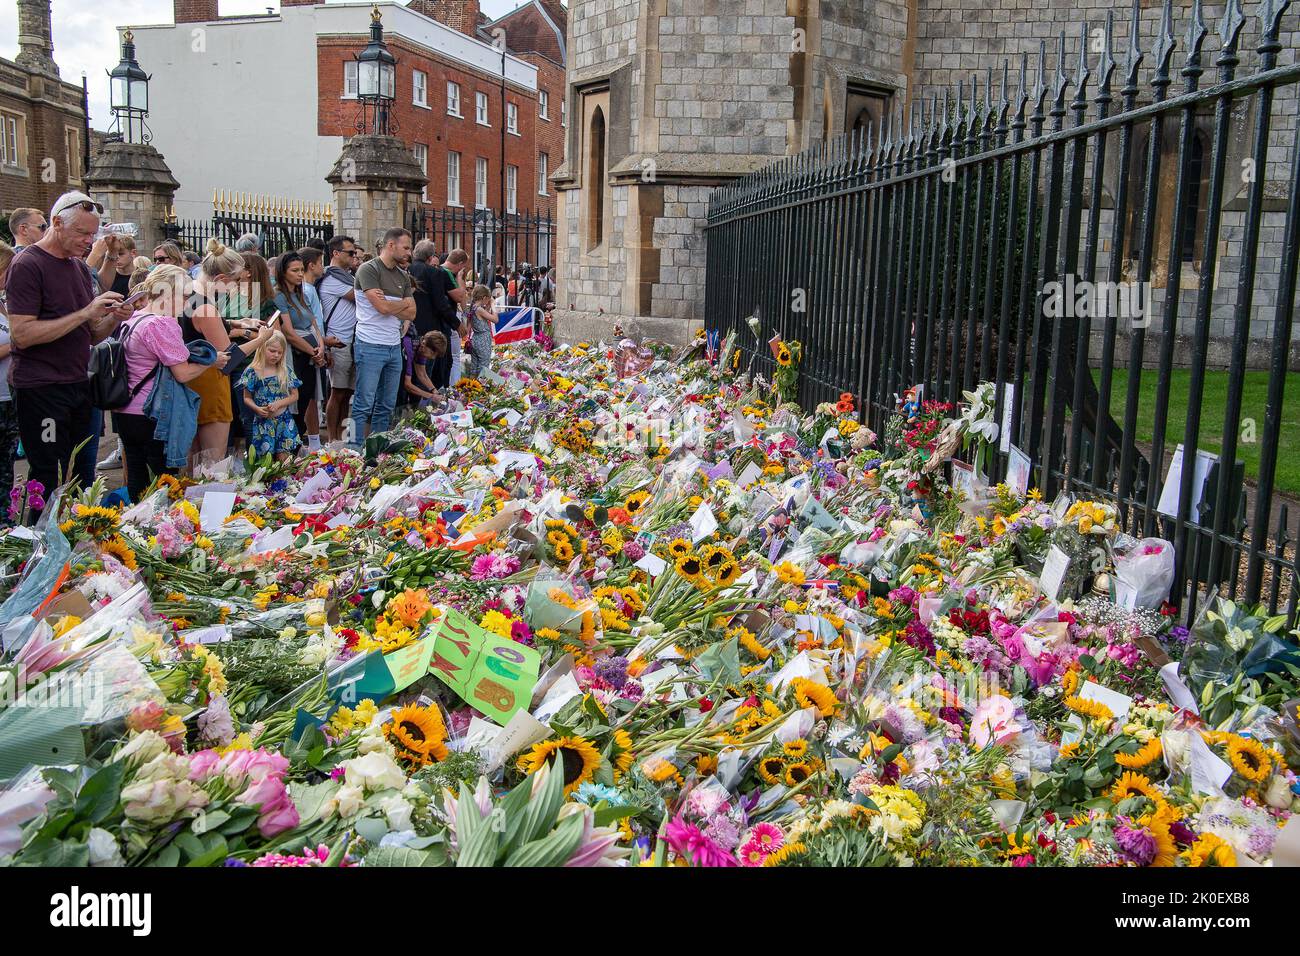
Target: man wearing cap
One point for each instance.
(54, 317)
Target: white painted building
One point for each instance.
(233, 103)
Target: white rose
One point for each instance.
(372, 740)
(1278, 794)
(397, 811)
(142, 748)
(345, 803)
(103, 849)
(374, 771)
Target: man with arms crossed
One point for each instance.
(385, 304)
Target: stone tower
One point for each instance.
(670, 98)
(35, 37)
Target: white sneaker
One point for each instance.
(114, 460)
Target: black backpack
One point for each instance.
(107, 373)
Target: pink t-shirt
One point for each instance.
(154, 339)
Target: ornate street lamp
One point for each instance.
(376, 82)
(128, 88)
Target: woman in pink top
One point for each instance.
(155, 341)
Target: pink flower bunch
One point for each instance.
(308, 857)
(689, 841)
(763, 840)
(258, 777)
(494, 565)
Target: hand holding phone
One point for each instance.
(135, 298)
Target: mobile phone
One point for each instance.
(275, 317)
(135, 297)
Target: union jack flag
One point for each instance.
(515, 324)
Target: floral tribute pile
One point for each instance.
(589, 619)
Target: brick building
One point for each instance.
(297, 69)
(43, 130)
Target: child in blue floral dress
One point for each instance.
(271, 391)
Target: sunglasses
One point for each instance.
(84, 204)
(161, 259)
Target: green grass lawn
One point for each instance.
(1213, 400)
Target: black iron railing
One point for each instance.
(511, 240)
(1065, 240)
(281, 225)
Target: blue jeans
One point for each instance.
(378, 377)
(88, 457)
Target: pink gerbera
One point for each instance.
(767, 835)
(753, 853)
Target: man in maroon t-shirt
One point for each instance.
(54, 317)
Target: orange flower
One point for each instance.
(409, 607)
(619, 516)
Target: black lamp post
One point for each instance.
(376, 82)
(128, 88)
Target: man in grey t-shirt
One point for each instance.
(338, 299)
(385, 305)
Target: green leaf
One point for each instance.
(189, 844)
(468, 818)
(513, 807)
(215, 853)
(554, 848)
(48, 852)
(607, 815)
(540, 815)
(207, 822)
(405, 856)
(481, 848)
(169, 856)
(99, 796)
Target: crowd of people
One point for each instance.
(225, 349)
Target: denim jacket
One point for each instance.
(175, 408)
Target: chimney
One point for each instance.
(460, 15)
(35, 43)
(194, 11)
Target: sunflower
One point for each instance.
(783, 855)
(679, 547)
(796, 748)
(771, 769)
(727, 573)
(1148, 752)
(564, 551)
(706, 765)
(1135, 785)
(812, 694)
(417, 734)
(636, 501)
(576, 755)
(1070, 682)
(1249, 758)
(118, 548)
(689, 567)
(714, 556)
(1092, 709)
(797, 773)
(783, 356)
(1158, 826)
(1210, 850)
(1070, 751)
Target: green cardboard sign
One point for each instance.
(408, 664)
(492, 674)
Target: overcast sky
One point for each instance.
(85, 36)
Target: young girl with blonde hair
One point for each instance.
(271, 392)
